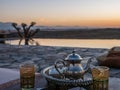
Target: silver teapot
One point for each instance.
(73, 69)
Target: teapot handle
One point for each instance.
(56, 67)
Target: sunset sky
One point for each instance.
(91, 13)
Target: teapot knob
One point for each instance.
(73, 52)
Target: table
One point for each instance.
(40, 82)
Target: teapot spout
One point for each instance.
(88, 65)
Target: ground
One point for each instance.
(11, 56)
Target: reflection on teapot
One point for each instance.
(73, 69)
(53, 72)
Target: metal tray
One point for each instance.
(67, 82)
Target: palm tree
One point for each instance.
(25, 32)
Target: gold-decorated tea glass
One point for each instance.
(100, 77)
(27, 76)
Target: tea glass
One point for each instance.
(100, 78)
(27, 76)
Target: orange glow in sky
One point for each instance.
(95, 13)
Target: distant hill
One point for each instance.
(68, 32)
(7, 26)
(78, 34)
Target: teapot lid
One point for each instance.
(74, 57)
